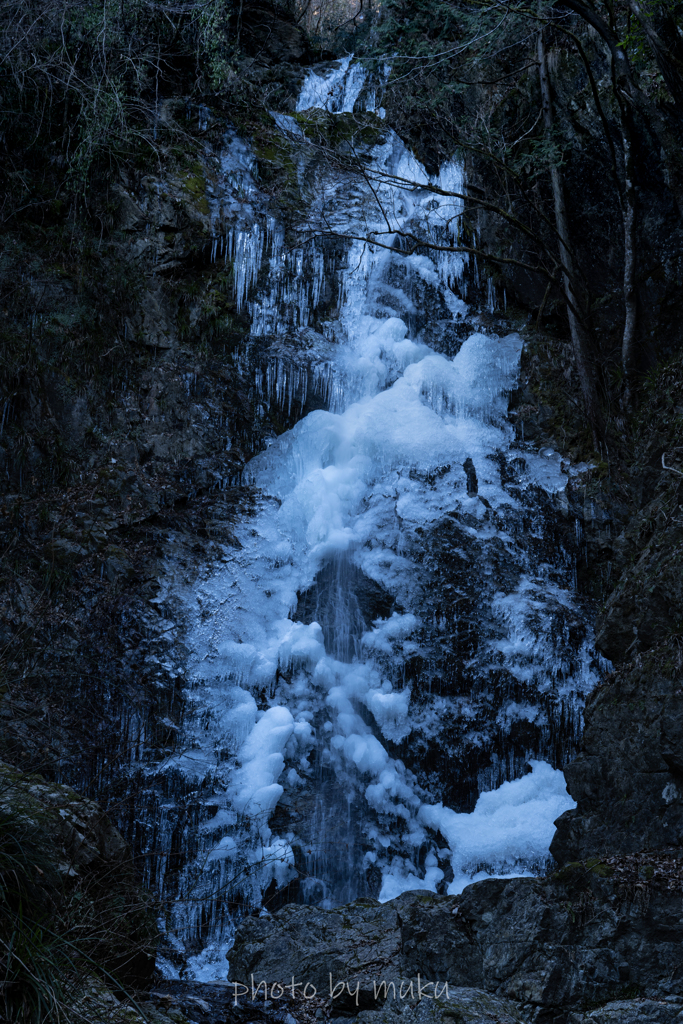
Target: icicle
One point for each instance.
(491, 296)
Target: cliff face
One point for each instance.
(627, 779)
(115, 431)
(130, 404)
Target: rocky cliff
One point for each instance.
(541, 949)
(627, 778)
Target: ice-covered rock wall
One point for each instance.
(387, 670)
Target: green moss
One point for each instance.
(194, 182)
(277, 168)
(341, 129)
(568, 871)
(597, 867)
(579, 869)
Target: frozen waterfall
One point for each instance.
(387, 668)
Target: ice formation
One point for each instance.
(337, 91)
(309, 726)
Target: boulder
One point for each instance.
(584, 935)
(631, 1011)
(86, 884)
(460, 1006)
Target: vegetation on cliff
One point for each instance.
(570, 119)
(70, 902)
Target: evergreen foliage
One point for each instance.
(81, 82)
(528, 94)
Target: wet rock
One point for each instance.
(471, 473)
(79, 831)
(80, 420)
(87, 880)
(644, 607)
(65, 552)
(626, 778)
(117, 563)
(462, 1006)
(554, 943)
(358, 943)
(129, 216)
(157, 329)
(631, 1011)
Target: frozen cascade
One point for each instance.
(385, 670)
(336, 92)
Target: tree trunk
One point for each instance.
(663, 133)
(628, 345)
(579, 335)
(662, 35)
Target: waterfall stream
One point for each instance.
(386, 672)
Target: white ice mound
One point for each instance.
(509, 831)
(510, 825)
(255, 788)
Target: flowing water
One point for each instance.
(388, 667)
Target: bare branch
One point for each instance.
(670, 468)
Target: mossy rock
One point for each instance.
(580, 869)
(80, 887)
(362, 129)
(194, 182)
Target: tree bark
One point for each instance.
(628, 345)
(579, 335)
(664, 134)
(667, 48)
